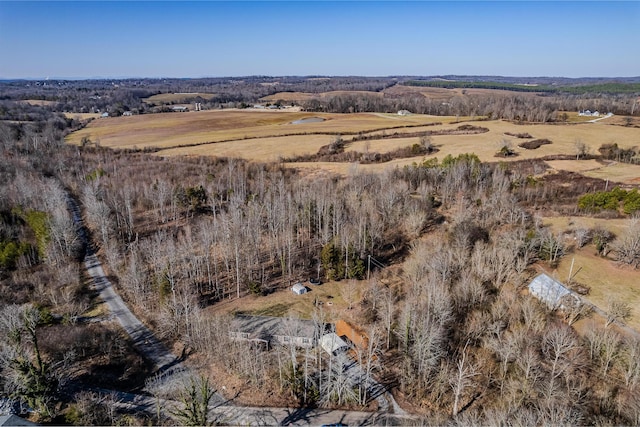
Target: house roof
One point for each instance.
(264, 327)
(14, 420)
(548, 290)
(332, 342)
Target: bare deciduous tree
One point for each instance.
(617, 311)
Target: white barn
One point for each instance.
(553, 293)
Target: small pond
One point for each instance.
(308, 120)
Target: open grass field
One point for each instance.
(171, 129)
(444, 94)
(614, 171)
(285, 302)
(258, 150)
(266, 135)
(169, 98)
(605, 277)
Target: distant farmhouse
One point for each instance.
(268, 331)
(588, 113)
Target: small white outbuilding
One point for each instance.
(299, 289)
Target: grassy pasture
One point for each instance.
(284, 302)
(614, 171)
(444, 94)
(485, 145)
(171, 129)
(264, 135)
(172, 98)
(259, 150)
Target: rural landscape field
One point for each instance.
(470, 255)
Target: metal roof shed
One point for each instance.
(299, 289)
(550, 291)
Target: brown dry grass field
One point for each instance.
(258, 150)
(285, 303)
(606, 278)
(168, 98)
(614, 171)
(172, 129)
(443, 94)
(264, 135)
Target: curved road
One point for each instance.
(169, 365)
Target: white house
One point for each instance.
(299, 289)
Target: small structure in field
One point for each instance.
(299, 289)
(404, 112)
(553, 293)
(332, 343)
(180, 109)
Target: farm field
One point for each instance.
(172, 129)
(605, 277)
(444, 94)
(267, 135)
(259, 149)
(614, 171)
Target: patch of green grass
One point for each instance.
(275, 310)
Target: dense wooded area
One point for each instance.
(450, 329)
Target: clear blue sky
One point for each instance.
(215, 38)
